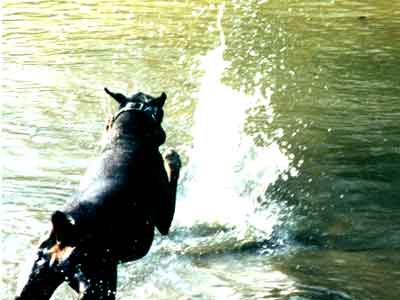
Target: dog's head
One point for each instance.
(140, 115)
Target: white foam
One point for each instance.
(223, 161)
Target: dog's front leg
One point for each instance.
(165, 209)
(172, 162)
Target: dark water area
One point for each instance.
(286, 114)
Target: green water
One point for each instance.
(286, 114)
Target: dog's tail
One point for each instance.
(64, 228)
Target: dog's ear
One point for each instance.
(120, 98)
(160, 101)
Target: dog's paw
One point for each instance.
(173, 161)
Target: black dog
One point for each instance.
(124, 195)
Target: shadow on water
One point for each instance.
(286, 113)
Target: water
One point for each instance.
(285, 112)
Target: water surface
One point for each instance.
(285, 112)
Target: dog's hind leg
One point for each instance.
(44, 277)
(95, 282)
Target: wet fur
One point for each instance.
(128, 192)
(58, 253)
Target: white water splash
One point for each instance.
(224, 161)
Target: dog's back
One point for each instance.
(120, 190)
(124, 195)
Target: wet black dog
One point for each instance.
(125, 194)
